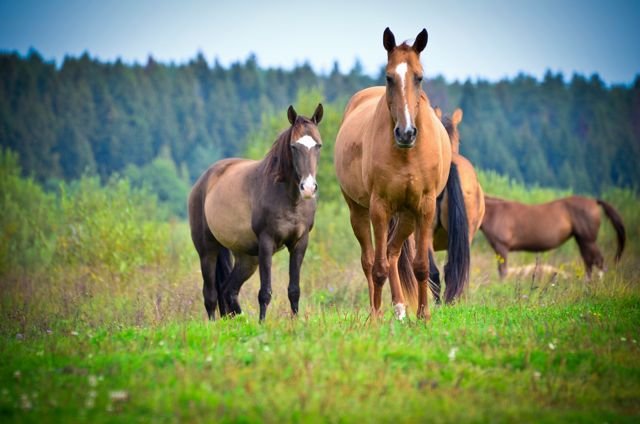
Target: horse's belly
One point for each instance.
(230, 221)
(541, 241)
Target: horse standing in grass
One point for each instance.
(393, 158)
(471, 192)
(250, 209)
(512, 226)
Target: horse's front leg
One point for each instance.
(379, 213)
(296, 256)
(424, 242)
(265, 254)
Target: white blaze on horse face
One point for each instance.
(308, 187)
(401, 70)
(307, 141)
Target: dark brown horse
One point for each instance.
(250, 209)
(393, 157)
(512, 226)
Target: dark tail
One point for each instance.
(408, 280)
(456, 271)
(616, 221)
(224, 264)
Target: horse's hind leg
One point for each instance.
(434, 278)
(362, 230)
(208, 261)
(243, 268)
(591, 256)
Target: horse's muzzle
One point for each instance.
(308, 187)
(405, 139)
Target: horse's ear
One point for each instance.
(421, 41)
(317, 115)
(388, 40)
(456, 118)
(438, 112)
(292, 114)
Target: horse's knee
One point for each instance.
(380, 272)
(264, 296)
(421, 271)
(367, 263)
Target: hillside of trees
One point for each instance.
(84, 116)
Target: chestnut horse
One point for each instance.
(251, 209)
(471, 192)
(393, 157)
(512, 226)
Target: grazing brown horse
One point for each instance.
(393, 157)
(471, 192)
(512, 226)
(251, 209)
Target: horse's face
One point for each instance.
(404, 78)
(305, 150)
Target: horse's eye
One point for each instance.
(418, 79)
(389, 80)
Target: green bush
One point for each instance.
(27, 221)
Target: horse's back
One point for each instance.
(228, 203)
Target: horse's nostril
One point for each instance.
(396, 132)
(414, 132)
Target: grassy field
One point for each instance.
(533, 350)
(104, 321)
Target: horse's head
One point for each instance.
(451, 125)
(305, 144)
(404, 78)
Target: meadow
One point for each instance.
(102, 320)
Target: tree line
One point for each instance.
(85, 116)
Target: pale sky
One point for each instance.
(489, 39)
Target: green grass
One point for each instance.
(514, 351)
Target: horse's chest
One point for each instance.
(405, 189)
(285, 225)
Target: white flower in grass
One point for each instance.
(452, 353)
(209, 358)
(552, 346)
(93, 381)
(623, 339)
(119, 396)
(537, 375)
(74, 333)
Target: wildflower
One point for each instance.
(93, 381)
(452, 353)
(209, 358)
(537, 375)
(25, 403)
(552, 346)
(74, 333)
(623, 339)
(119, 396)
